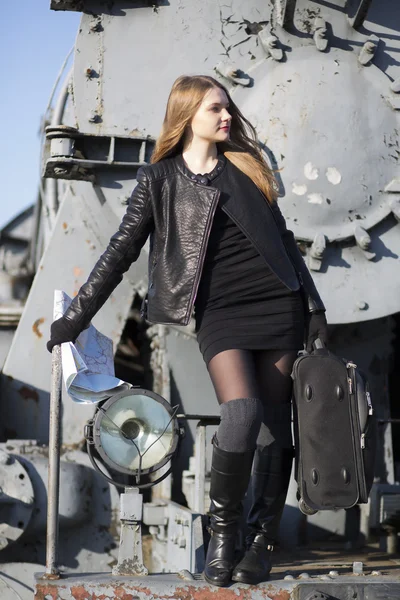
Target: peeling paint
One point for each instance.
(310, 171)
(80, 593)
(299, 189)
(333, 175)
(129, 591)
(315, 198)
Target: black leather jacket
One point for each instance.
(177, 211)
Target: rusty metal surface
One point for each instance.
(157, 587)
(295, 575)
(102, 587)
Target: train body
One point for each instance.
(321, 83)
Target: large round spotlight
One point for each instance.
(135, 432)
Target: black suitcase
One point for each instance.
(334, 430)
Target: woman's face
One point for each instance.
(212, 120)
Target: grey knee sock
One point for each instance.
(240, 424)
(276, 427)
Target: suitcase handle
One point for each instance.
(319, 344)
(319, 347)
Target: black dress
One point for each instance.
(240, 302)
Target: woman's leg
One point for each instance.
(273, 373)
(234, 378)
(233, 375)
(272, 463)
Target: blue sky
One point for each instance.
(34, 42)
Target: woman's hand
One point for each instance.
(316, 327)
(60, 331)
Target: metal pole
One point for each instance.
(130, 553)
(200, 468)
(52, 571)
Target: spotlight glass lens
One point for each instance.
(136, 424)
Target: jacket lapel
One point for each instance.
(247, 207)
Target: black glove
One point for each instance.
(61, 331)
(316, 327)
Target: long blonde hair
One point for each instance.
(241, 149)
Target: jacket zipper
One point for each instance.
(202, 256)
(368, 397)
(145, 301)
(153, 266)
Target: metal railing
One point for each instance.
(52, 571)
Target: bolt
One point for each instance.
(60, 171)
(94, 117)
(395, 86)
(288, 577)
(272, 41)
(97, 27)
(304, 576)
(3, 542)
(358, 568)
(361, 305)
(185, 574)
(333, 573)
(376, 573)
(4, 458)
(27, 499)
(89, 72)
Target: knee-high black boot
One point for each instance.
(271, 476)
(230, 474)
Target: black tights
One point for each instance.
(263, 374)
(255, 374)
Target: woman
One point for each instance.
(219, 247)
